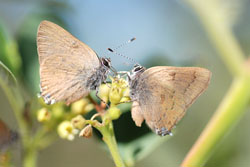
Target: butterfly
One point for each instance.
(69, 69)
(162, 94)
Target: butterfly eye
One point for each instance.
(106, 62)
(137, 69)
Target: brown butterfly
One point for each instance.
(162, 94)
(7, 136)
(69, 69)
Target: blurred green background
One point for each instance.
(167, 32)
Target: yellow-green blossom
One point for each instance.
(78, 107)
(58, 110)
(125, 97)
(104, 90)
(43, 115)
(66, 130)
(88, 107)
(118, 87)
(78, 122)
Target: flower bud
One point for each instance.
(104, 90)
(115, 95)
(86, 132)
(58, 111)
(78, 122)
(66, 130)
(117, 88)
(43, 115)
(114, 113)
(125, 97)
(89, 107)
(78, 106)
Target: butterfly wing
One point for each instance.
(54, 40)
(136, 113)
(66, 64)
(164, 94)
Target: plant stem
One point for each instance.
(228, 113)
(17, 106)
(220, 34)
(109, 138)
(14, 96)
(233, 106)
(29, 157)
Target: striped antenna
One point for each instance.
(120, 46)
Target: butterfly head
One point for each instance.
(137, 70)
(106, 62)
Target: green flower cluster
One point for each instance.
(70, 121)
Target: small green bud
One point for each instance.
(114, 113)
(43, 115)
(57, 111)
(78, 122)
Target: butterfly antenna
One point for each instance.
(120, 46)
(124, 44)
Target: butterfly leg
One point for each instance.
(123, 73)
(105, 82)
(96, 93)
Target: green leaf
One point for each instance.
(6, 76)
(9, 85)
(140, 148)
(9, 54)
